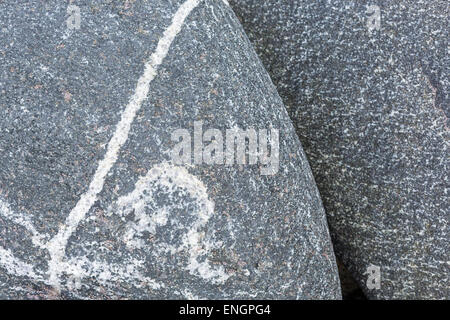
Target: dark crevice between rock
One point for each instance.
(349, 286)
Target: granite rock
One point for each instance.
(92, 204)
(366, 84)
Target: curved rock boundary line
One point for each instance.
(364, 86)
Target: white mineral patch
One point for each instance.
(141, 201)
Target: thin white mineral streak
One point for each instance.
(57, 245)
(24, 221)
(15, 266)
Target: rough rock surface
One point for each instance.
(370, 106)
(91, 205)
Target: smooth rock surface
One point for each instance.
(91, 205)
(370, 103)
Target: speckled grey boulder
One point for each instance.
(369, 100)
(91, 205)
